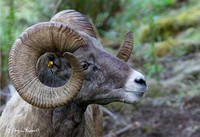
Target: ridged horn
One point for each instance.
(126, 47)
(31, 44)
(75, 20)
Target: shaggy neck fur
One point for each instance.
(68, 120)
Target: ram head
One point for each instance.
(54, 63)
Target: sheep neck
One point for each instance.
(69, 119)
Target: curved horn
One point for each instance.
(24, 54)
(75, 20)
(126, 47)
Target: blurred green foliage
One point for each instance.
(170, 26)
(138, 12)
(101, 12)
(7, 39)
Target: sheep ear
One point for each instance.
(52, 70)
(126, 47)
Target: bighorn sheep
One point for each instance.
(60, 71)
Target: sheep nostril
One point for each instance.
(141, 81)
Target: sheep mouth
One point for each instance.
(138, 94)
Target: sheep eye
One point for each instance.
(84, 65)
